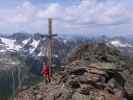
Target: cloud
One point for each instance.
(88, 16)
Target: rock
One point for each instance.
(112, 83)
(67, 94)
(73, 84)
(120, 92)
(78, 96)
(96, 71)
(35, 92)
(39, 97)
(78, 71)
(85, 89)
(50, 97)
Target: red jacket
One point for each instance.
(45, 70)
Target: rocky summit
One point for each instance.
(91, 72)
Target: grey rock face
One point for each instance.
(12, 74)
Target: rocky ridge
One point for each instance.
(92, 72)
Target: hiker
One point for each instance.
(45, 72)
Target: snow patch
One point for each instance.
(43, 52)
(2, 51)
(35, 43)
(26, 41)
(56, 56)
(10, 44)
(117, 43)
(65, 41)
(40, 54)
(32, 50)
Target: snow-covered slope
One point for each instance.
(34, 45)
(125, 47)
(9, 45)
(12, 45)
(118, 43)
(37, 46)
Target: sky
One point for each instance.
(110, 17)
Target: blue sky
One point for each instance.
(113, 17)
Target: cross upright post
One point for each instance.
(50, 45)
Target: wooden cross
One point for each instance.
(50, 45)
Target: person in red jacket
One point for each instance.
(45, 72)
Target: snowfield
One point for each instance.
(10, 44)
(118, 43)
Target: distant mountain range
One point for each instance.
(35, 45)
